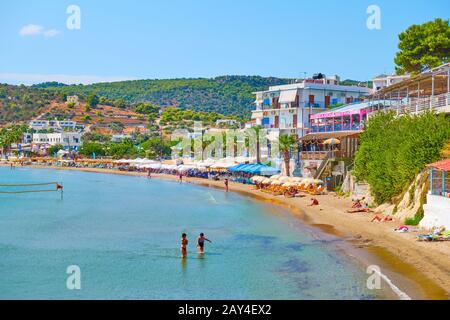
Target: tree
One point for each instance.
(54, 149)
(120, 103)
(11, 135)
(423, 46)
(157, 147)
(92, 100)
(89, 148)
(257, 130)
(286, 142)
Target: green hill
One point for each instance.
(229, 95)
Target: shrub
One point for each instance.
(394, 150)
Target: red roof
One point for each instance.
(443, 165)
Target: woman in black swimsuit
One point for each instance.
(201, 242)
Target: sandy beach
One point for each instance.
(422, 269)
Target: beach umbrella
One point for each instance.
(332, 141)
(266, 181)
(275, 176)
(295, 179)
(256, 178)
(289, 184)
(283, 179)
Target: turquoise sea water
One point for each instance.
(124, 233)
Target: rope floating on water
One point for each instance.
(28, 184)
(58, 187)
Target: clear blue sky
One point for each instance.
(203, 38)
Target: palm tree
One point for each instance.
(257, 130)
(286, 142)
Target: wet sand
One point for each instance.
(421, 269)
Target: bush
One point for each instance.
(394, 150)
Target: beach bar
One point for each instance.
(437, 208)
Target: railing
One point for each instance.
(315, 155)
(417, 105)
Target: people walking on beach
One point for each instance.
(226, 185)
(201, 242)
(184, 243)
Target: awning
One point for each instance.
(288, 96)
(255, 168)
(443, 165)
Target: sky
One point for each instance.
(121, 40)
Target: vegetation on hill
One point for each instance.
(394, 150)
(20, 103)
(229, 95)
(176, 116)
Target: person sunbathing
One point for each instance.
(290, 193)
(380, 218)
(314, 202)
(360, 209)
(357, 204)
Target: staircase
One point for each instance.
(324, 165)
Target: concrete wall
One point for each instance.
(437, 212)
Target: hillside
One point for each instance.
(229, 95)
(19, 103)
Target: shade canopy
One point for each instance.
(255, 168)
(288, 96)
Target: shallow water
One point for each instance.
(124, 233)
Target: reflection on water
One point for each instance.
(123, 232)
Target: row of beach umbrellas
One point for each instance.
(284, 181)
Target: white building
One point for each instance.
(286, 108)
(227, 122)
(52, 124)
(383, 81)
(69, 140)
(120, 137)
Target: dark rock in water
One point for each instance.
(262, 240)
(294, 266)
(296, 246)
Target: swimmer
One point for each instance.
(201, 242)
(184, 243)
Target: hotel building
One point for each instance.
(286, 109)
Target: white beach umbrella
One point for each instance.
(275, 176)
(276, 183)
(266, 181)
(283, 179)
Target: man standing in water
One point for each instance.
(226, 185)
(201, 242)
(184, 243)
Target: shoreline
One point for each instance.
(417, 267)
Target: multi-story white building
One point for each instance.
(53, 124)
(383, 81)
(69, 140)
(286, 108)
